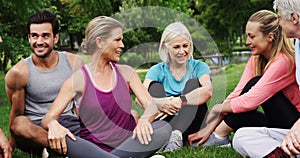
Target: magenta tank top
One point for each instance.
(105, 117)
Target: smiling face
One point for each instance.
(113, 45)
(179, 48)
(259, 43)
(41, 39)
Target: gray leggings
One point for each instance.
(189, 119)
(129, 148)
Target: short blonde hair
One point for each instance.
(171, 31)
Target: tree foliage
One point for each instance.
(13, 29)
(224, 20)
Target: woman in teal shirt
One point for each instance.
(180, 76)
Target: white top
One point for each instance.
(297, 59)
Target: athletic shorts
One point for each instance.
(68, 121)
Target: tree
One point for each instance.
(13, 24)
(77, 14)
(226, 19)
(145, 20)
(223, 19)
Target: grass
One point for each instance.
(223, 83)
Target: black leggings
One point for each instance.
(279, 112)
(189, 119)
(129, 148)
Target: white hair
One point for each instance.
(287, 7)
(171, 31)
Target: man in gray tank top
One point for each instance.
(33, 84)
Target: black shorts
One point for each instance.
(68, 121)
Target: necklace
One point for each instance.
(178, 74)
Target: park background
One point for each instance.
(224, 20)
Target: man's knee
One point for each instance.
(17, 125)
(21, 126)
(237, 141)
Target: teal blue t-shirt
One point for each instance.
(161, 73)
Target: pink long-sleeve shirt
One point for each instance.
(275, 79)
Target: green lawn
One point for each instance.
(223, 83)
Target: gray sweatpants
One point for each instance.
(258, 142)
(129, 148)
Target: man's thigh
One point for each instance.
(71, 123)
(26, 135)
(68, 121)
(29, 129)
(277, 133)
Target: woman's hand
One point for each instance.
(168, 105)
(200, 136)
(143, 130)
(161, 116)
(214, 117)
(57, 137)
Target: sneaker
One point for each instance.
(175, 142)
(45, 153)
(158, 156)
(53, 154)
(214, 141)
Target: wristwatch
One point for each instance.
(183, 100)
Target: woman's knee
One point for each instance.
(191, 84)
(156, 89)
(161, 136)
(162, 128)
(250, 84)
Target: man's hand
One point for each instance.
(291, 142)
(5, 148)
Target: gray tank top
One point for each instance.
(43, 87)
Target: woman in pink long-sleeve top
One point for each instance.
(268, 81)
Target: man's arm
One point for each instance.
(75, 61)
(15, 82)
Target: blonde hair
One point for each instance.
(171, 31)
(270, 23)
(99, 27)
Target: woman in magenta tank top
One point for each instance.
(108, 129)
